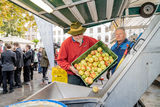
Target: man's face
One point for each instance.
(120, 35)
(15, 47)
(78, 38)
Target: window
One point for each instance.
(59, 39)
(54, 39)
(106, 38)
(99, 29)
(54, 32)
(91, 30)
(62, 32)
(99, 37)
(59, 32)
(113, 36)
(106, 29)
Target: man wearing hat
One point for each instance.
(72, 48)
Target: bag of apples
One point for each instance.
(94, 62)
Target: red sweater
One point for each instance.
(70, 50)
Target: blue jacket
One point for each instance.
(119, 51)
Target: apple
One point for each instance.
(106, 58)
(107, 63)
(94, 69)
(93, 53)
(100, 58)
(96, 51)
(90, 64)
(78, 67)
(89, 68)
(110, 57)
(90, 80)
(111, 60)
(96, 59)
(83, 61)
(98, 54)
(99, 65)
(90, 60)
(106, 54)
(89, 56)
(102, 62)
(95, 64)
(99, 49)
(93, 75)
(75, 65)
(97, 74)
(94, 56)
(103, 67)
(95, 89)
(83, 68)
(83, 76)
(99, 70)
(87, 73)
(81, 72)
(86, 59)
(103, 54)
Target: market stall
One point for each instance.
(91, 13)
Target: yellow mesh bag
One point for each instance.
(59, 74)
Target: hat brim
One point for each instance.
(74, 33)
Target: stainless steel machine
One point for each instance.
(136, 73)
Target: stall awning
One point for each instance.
(89, 12)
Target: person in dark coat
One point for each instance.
(8, 67)
(39, 59)
(1, 50)
(27, 64)
(19, 65)
(44, 64)
(32, 64)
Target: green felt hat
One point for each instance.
(76, 29)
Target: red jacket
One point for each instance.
(70, 50)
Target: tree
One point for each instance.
(14, 20)
(35, 41)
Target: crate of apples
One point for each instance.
(94, 62)
(93, 65)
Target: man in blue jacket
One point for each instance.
(120, 46)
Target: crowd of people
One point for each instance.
(14, 60)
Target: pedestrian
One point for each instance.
(72, 48)
(1, 50)
(8, 67)
(39, 60)
(44, 64)
(35, 59)
(32, 64)
(27, 64)
(19, 65)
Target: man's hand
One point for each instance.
(74, 70)
(31, 64)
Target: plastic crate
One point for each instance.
(94, 47)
